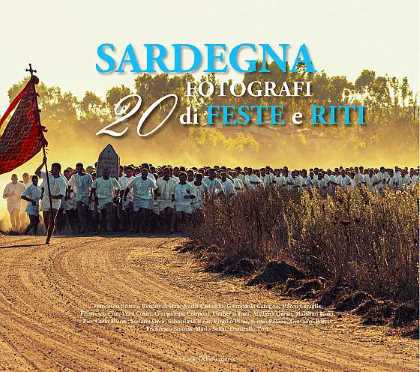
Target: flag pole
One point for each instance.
(50, 229)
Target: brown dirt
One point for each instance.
(43, 289)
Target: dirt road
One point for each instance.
(50, 297)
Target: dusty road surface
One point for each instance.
(59, 311)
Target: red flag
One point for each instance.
(23, 137)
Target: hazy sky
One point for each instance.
(61, 37)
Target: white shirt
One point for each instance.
(280, 181)
(307, 181)
(58, 186)
(228, 187)
(266, 180)
(369, 182)
(378, 181)
(175, 178)
(24, 203)
(199, 192)
(323, 183)
(359, 178)
(124, 181)
(182, 190)
(406, 180)
(12, 192)
(142, 189)
(105, 188)
(315, 181)
(332, 179)
(290, 182)
(252, 181)
(166, 188)
(71, 202)
(237, 182)
(396, 180)
(34, 193)
(298, 181)
(214, 186)
(344, 181)
(81, 185)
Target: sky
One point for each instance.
(60, 38)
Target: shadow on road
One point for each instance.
(21, 245)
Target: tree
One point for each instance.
(115, 94)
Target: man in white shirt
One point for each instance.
(69, 205)
(26, 180)
(300, 180)
(369, 180)
(32, 195)
(149, 172)
(12, 193)
(252, 181)
(237, 181)
(359, 177)
(214, 186)
(380, 179)
(165, 194)
(58, 187)
(405, 179)
(227, 185)
(306, 182)
(184, 195)
(190, 176)
(414, 177)
(270, 173)
(240, 175)
(279, 179)
(294, 180)
(80, 183)
(397, 178)
(200, 189)
(290, 180)
(143, 188)
(127, 212)
(343, 180)
(332, 181)
(352, 180)
(265, 177)
(323, 180)
(104, 190)
(313, 181)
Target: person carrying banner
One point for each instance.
(51, 201)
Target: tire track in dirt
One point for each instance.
(44, 288)
(92, 341)
(169, 294)
(52, 280)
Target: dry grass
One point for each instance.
(368, 241)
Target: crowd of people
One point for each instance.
(146, 198)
